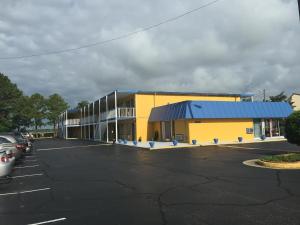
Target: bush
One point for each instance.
(292, 157)
(292, 128)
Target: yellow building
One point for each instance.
(165, 116)
(295, 99)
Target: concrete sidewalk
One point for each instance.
(170, 145)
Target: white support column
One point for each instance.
(271, 127)
(84, 122)
(89, 121)
(99, 123)
(116, 117)
(80, 123)
(63, 125)
(263, 128)
(94, 124)
(66, 124)
(106, 114)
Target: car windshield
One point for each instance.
(3, 140)
(10, 139)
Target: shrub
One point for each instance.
(292, 157)
(292, 128)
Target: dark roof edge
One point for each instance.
(184, 93)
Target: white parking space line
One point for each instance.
(230, 146)
(30, 160)
(49, 221)
(21, 167)
(28, 175)
(24, 192)
(78, 146)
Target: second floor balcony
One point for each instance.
(122, 113)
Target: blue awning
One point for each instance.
(220, 110)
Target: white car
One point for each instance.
(6, 162)
(10, 143)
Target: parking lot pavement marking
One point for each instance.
(49, 221)
(24, 192)
(230, 146)
(21, 167)
(30, 160)
(28, 175)
(84, 146)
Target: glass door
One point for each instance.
(257, 128)
(166, 131)
(275, 128)
(268, 126)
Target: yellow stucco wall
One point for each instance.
(223, 129)
(296, 101)
(145, 102)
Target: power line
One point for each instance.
(115, 38)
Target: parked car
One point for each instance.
(25, 141)
(6, 163)
(28, 136)
(10, 143)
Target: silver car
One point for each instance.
(10, 143)
(6, 163)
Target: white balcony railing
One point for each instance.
(126, 112)
(111, 114)
(72, 122)
(122, 113)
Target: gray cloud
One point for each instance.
(232, 46)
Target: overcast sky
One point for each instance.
(232, 46)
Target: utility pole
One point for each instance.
(265, 91)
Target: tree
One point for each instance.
(23, 113)
(279, 98)
(292, 128)
(55, 106)
(82, 104)
(9, 95)
(38, 104)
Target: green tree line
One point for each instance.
(18, 111)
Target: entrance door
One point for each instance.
(166, 131)
(257, 128)
(275, 128)
(268, 128)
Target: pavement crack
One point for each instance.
(161, 204)
(225, 204)
(125, 185)
(279, 185)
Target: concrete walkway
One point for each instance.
(170, 145)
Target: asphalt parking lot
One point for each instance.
(80, 182)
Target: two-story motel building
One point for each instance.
(184, 116)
